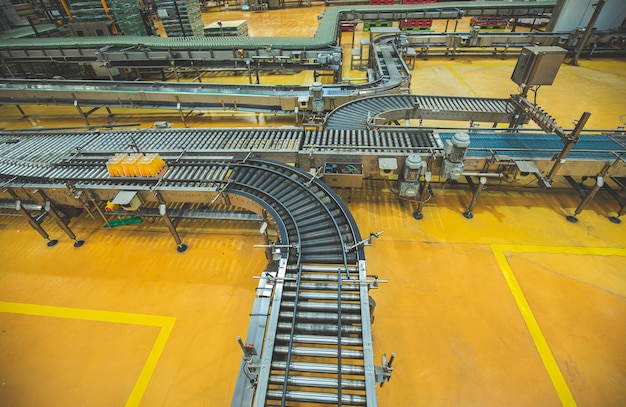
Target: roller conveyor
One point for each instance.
(311, 322)
(367, 112)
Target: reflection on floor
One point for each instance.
(515, 307)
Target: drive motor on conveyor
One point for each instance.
(317, 99)
(455, 150)
(409, 183)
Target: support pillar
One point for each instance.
(620, 200)
(425, 187)
(21, 111)
(58, 220)
(33, 223)
(476, 189)
(588, 197)
(583, 41)
(181, 247)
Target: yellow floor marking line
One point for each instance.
(460, 79)
(558, 381)
(165, 323)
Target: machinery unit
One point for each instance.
(316, 92)
(409, 182)
(455, 150)
(343, 175)
(538, 65)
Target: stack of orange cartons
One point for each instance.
(136, 165)
(114, 165)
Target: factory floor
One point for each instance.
(515, 307)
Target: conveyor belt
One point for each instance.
(319, 346)
(372, 141)
(325, 36)
(539, 146)
(311, 321)
(367, 112)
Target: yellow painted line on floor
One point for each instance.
(558, 381)
(165, 323)
(460, 79)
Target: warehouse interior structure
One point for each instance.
(305, 203)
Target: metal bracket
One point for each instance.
(383, 373)
(251, 359)
(364, 242)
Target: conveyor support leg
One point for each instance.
(170, 225)
(589, 196)
(425, 188)
(620, 200)
(59, 220)
(21, 111)
(476, 189)
(33, 223)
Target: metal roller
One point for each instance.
(324, 329)
(319, 340)
(319, 352)
(327, 368)
(322, 296)
(321, 317)
(321, 286)
(318, 397)
(321, 382)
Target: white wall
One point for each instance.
(576, 13)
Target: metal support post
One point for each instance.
(583, 41)
(182, 116)
(425, 188)
(82, 114)
(620, 200)
(589, 196)
(476, 189)
(33, 223)
(569, 143)
(170, 225)
(58, 219)
(21, 111)
(95, 204)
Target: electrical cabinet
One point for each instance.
(538, 65)
(343, 175)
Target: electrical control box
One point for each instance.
(343, 175)
(538, 65)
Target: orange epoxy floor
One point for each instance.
(126, 319)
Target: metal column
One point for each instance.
(476, 189)
(60, 222)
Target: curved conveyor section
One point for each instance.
(377, 110)
(315, 345)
